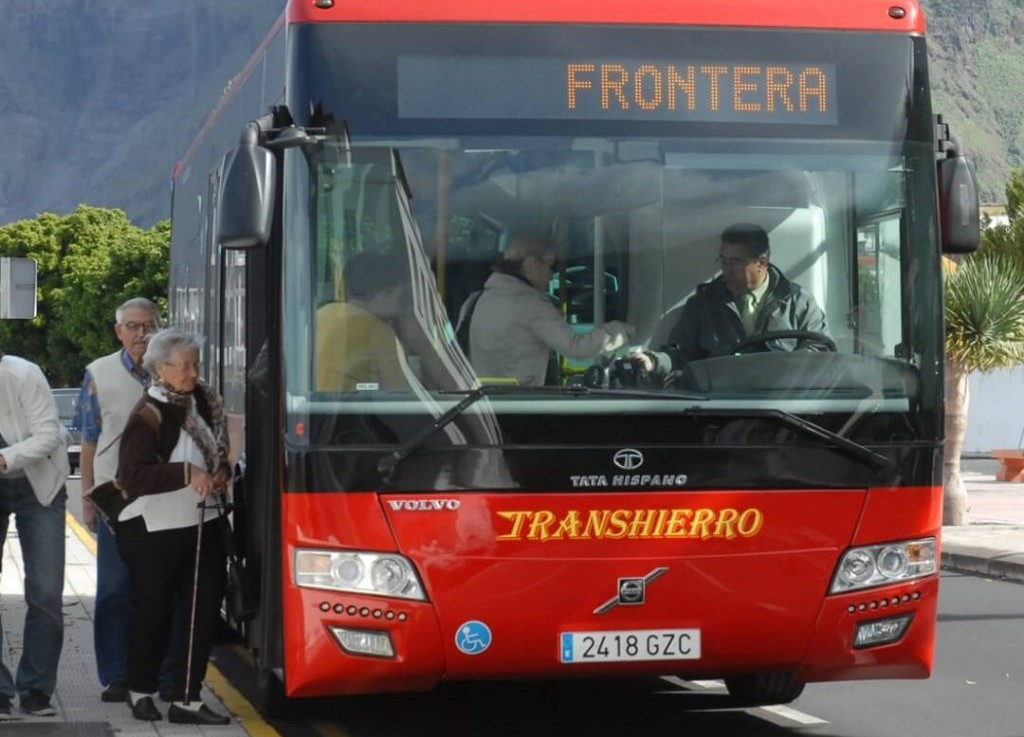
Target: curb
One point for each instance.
(1006, 567)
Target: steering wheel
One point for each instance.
(762, 338)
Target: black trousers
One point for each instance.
(161, 574)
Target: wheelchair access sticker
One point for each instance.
(473, 637)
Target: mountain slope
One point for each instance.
(100, 99)
(976, 54)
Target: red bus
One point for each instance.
(767, 517)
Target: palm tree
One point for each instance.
(984, 311)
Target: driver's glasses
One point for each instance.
(733, 263)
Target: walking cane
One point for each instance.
(195, 596)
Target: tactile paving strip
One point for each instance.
(60, 729)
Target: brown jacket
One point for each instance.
(148, 440)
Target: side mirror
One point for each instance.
(245, 213)
(959, 215)
(959, 212)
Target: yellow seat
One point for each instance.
(506, 380)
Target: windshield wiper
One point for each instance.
(851, 448)
(386, 465)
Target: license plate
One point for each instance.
(74, 449)
(613, 646)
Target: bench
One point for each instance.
(1011, 464)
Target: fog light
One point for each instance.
(364, 642)
(881, 631)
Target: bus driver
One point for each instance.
(750, 297)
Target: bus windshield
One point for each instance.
(394, 223)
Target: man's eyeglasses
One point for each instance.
(734, 262)
(134, 327)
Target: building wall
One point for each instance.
(995, 417)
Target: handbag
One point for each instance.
(109, 500)
(239, 598)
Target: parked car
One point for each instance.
(67, 409)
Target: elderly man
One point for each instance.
(33, 469)
(112, 386)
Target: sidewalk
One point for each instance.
(993, 543)
(80, 712)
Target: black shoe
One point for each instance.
(167, 694)
(205, 715)
(145, 710)
(6, 712)
(115, 693)
(37, 704)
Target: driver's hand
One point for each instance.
(641, 359)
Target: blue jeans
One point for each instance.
(41, 533)
(112, 615)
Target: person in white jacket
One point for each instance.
(33, 468)
(514, 325)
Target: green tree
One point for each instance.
(89, 262)
(984, 329)
(984, 309)
(1007, 241)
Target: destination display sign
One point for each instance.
(606, 88)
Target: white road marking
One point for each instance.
(709, 684)
(787, 712)
(784, 712)
(688, 685)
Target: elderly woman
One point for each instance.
(173, 455)
(514, 325)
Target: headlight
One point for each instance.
(389, 574)
(383, 574)
(347, 570)
(878, 565)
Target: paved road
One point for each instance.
(977, 689)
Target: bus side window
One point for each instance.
(878, 286)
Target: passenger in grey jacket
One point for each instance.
(749, 297)
(514, 324)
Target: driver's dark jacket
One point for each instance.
(710, 325)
